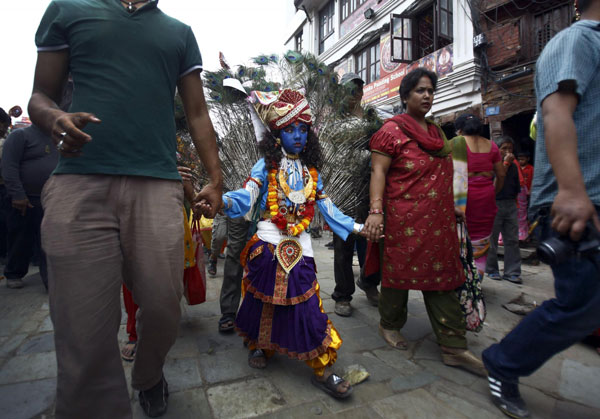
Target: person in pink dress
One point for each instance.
(485, 178)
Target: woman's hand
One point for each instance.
(460, 215)
(373, 229)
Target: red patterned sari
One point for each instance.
(420, 248)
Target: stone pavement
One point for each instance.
(209, 377)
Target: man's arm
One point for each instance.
(51, 73)
(208, 200)
(572, 207)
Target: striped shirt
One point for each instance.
(571, 56)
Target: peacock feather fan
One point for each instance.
(343, 138)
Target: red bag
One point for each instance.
(194, 277)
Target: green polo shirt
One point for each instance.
(125, 67)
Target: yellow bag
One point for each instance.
(206, 231)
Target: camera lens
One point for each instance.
(546, 253)
(554, 250)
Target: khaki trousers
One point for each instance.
(99, 231)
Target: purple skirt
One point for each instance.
(282, 312)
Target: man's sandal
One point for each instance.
(330, 386)
(256, 355)
(128, 351)
(393, 338)
(226, 325)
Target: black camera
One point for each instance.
(558, 249)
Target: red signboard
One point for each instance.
(392, 74)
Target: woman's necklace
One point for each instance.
(130, 4)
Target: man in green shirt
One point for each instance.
(113, 207)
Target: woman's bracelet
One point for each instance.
(375, 211)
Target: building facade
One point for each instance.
(382, 40)
(514, 34)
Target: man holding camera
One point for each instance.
(566, 197)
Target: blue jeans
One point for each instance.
(554, 326)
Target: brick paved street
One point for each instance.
(209, 377)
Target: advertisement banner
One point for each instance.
(344, 67)
(440, 62)
(357, 17)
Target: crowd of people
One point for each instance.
(96, 179)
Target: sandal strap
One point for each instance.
(226, 319)
(257, 353)
(334, 380)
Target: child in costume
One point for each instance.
(281, 310)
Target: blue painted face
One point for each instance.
(294, 137)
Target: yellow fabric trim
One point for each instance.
(327, 358)
(189, 249)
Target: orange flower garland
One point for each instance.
(278, 217)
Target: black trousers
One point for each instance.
(4, 211)
(231, 290)
(23, 234)
(343, 252)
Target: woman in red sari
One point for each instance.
(411, 185)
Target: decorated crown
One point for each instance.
(279, 109)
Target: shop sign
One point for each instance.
(440, 62)
(492, 110)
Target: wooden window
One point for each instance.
(298, 41)
(368, 63)
(420, 32)
(326, 25)
(401, 35)
(546, 25)
(374, 62)
(347, 7)
(444, 19)
(361, 65)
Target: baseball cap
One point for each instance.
(348, 77)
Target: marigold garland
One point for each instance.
(278, 213)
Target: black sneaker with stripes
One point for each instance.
(154, 401)
(507, 398)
